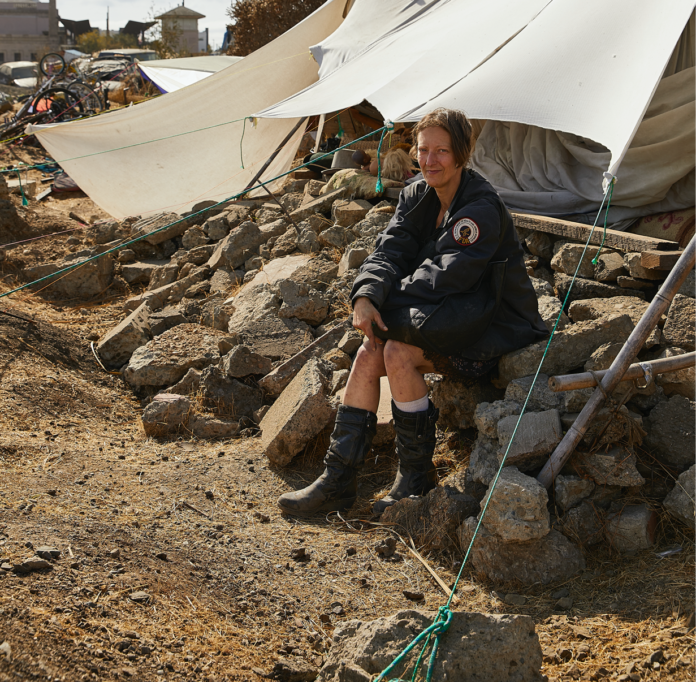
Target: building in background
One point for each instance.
(183, 22)
(28, 29)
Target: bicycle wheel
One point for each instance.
(59, 103)
(89, 99)
(52, 64)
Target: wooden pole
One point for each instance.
(570, 382)
(618, 368)
(287, 139)
(320, 132)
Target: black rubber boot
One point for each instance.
(336, 489)
(415, 445)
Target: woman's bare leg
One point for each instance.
(362, 389)
(405, 366)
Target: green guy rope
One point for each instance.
(606, 217)
(444, 616)
(21, 189)
(379, 187)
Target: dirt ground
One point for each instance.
(194, 526)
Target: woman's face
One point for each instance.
(436, 159)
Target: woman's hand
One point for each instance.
(364, 314)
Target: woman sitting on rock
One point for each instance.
(446, 291)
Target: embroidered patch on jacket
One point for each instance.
(465, 231)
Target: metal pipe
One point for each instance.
(618, 368)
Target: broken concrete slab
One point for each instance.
(85, 281)
(615, 467)
(632, 263)
(680, 501)
(550, 308)
(168, 413)
(224, 280)
(153, 227)
(302, 302)
(352, 259)
(301, 412)
(335, 237)
(165, 359)
(361, 650)
(485, 459)
(573, 346)
(609, 267)
(549, 559)
(583, 525)
(117, 345)
(276, 380)
(286, 243)
(241, 362)
(680, 327)
(542, 397)
(277, 269)
(227, 396)
(517, 511)
(568, 256)
(163, 275)
(140, 272)
(632, 528)
(346, 213)
(588, 288)
(537, 435)
(670, 427)
(571, 490)
(321, 204)
(187, 385)
(194, 237)
(487, 415)
(163, 320)
(457, 401)
(234, 249)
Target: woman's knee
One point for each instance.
(369, 362)
(398, 355)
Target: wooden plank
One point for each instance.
(623, 241)
(392, 193)
(659, 260)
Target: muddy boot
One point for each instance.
(415, 445)
(336, 489)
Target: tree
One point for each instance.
(93, 42)
(257, 22)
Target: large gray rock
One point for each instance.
(168, 413)
(361, 650)
(352, 259)
(117, 345)
(550, 308)
(236, 247)
(301, 412)
(140, 272)
(549, 559)
(631, 529)
(86, 279)
(488, 415)
(302, 302)
(615, 467)
(170, 293)
(517, 511)
(609, 267)
(163, 275)
(346, 213)
(321, 204)
(588, 288)
(572, 347)
(227, 396)
(568, 256)
(670, 427)
(680, 501)
(542, 398)
(632, 263)
(165, 359)
(682, 382)
(485, 459)
(432, 521)
(151, 228)
(537, 435)
(680, 328)
(571, 490)
(583, 524)
(457, 402)
(242, 362)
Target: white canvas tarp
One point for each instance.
(178, 169)
(170, 75)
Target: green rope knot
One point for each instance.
(612, 182)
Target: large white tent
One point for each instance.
(557, 83)
(170, 75)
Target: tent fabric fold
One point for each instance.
(170, 75)
(177, 170)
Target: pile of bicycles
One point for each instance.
(65, 93)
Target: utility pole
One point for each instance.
(107, 22)
(53, 38)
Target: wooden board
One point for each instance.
(659, 260)
(622, 241)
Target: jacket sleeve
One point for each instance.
(396, 248)
(462, 253)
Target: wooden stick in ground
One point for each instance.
(416, 553)
(287, 139)
(618, 368)
(570, 382)
(282, 208)
(190, 506)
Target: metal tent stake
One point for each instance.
(618, 368)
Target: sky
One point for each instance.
(120, 11)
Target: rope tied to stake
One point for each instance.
(388, 126)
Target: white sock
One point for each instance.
(420, 405)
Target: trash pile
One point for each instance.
(242, 329)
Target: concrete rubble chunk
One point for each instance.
(308, 242)
(632, 528)
(615, 467)
(301, 412)
(163, 320)
(103, 231)
(568, 256)
(432, 521)
(211, 428)
(268, 214)
(173, 292)
(336, 237)
(550, 308)
(277, 228)
(583, 525)
(635, 269)
(243, 362)
(682, 382)
(680, 328)
(150, 226)
(322, 204)
(276, 380)
(34, 563)
(485, 459)
(540, 244)
(680, 501)
(350, 342)
(187, 385)
(233, 250)
(319, 272)
(302, 302)
(542, 397)
(165, 415)
(224, 280)
(314, 187)
(609, 266)
(346, 213)
(571, 490)
(227, 396)
(140, 272)
(339, 379)
(217, 227)
(165, 359)
(552, 558)
(286, 243)
(85, 281)
(541, 287)
(670, 427)
(457, 402)
(603, 357)
(352, 259)
(194, 237)
(588, 288)
(487, 415)
(163, 275)
(537, 435)
(572, 348)
(117, 345)
(338, 359)
(688, 288)
(361, 650)
(517, 511)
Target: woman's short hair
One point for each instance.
(456, 124)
